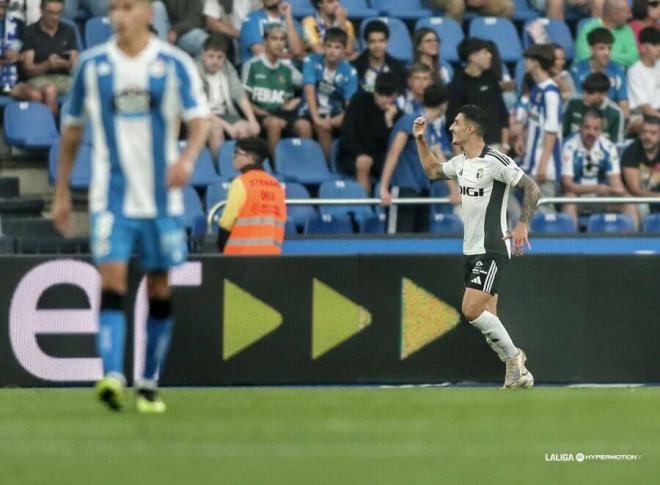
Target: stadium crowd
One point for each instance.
(581, 114)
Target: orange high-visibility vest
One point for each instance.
(259, 228)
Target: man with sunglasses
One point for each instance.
(590, 166)
(255, 215)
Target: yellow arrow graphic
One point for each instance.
(335, 318)
(246, 319)
(424, 318)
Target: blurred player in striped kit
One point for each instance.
(134, 89)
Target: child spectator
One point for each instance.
(375, 59)
(594, 97)
(419, 78)
(329, 84)
(224, 92)
(600, 41)
(366, 129)
(270, 81)
(329, 13)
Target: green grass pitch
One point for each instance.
(332, 436)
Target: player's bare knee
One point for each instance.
(158, 286)
(472, 309)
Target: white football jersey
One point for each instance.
(484, 184)
(135, 105)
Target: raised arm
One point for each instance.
(432, 166)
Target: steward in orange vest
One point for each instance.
(255, 215)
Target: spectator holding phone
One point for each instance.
(49, 53)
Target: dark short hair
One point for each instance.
(255, 147)
(269, 29)
(649, 35)
(376, 26)
(600, 35)
(596, 82)
(387, 84)
(591, 113)
(435, 95)
(470, 45)
(216, 42)
(543, 53)
(640, 9)
(46, 2)
(477, 116)
(335, 34)
(652, 120)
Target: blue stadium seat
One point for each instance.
(79, 41)
(553, 223)
(344, 189)
(359, 9)
(522, 11)
(445, 224)
(194, 218)
(439, 188)
(204, 172)
(400, 44)
(301, 160)
(610, 223)
(215, 193)
(327, 224)
(226, 161)
(408, 10)
(373, 224)
(301, 8)
(298, 213)
(290, 228)
(81, 174)
(29, 125)
(97, 31)
(652, 223)
(450, 33)
(558, 32)
(502, 32)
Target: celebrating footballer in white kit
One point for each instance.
(485, 177)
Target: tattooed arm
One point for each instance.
(519, 235)
(432, 165)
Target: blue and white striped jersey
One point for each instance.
(544, 117)
(589, 167)
(135, 105)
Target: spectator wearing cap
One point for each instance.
(375, 59)
(477, 84)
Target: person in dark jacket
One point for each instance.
(375, 59)
(180, 22)
(478, 84)
(366, 129)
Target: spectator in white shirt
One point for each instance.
(644, 79)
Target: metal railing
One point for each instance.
(441, 200)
